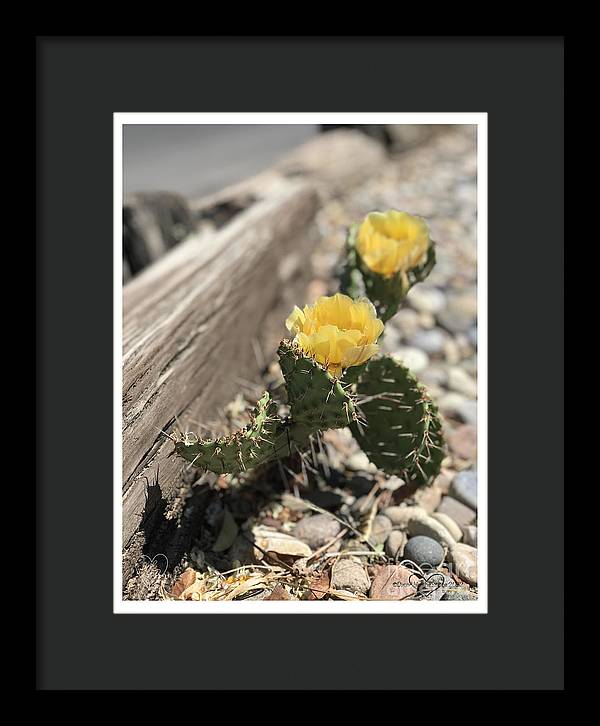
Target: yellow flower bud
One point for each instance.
(337, 331)
(391, 242)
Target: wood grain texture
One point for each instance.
(189, 325)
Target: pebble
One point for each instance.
(459, 512)
(435, 375)
(464, 488)
(407, 321)
(449, 524)
(461, 382)
(455, 405)
(434, 585)
(460, 313)
(463, 442)
(414, 359)
(431, 341)
(360, 462)
(395, 543)
(424, 550)
(428, 498)
(392, 483)
(349, 575)
(317, 530)
(380, 530)
(393, 582)
(401, 516)
(282, 544)
(293, 503)
(431, 527)
(470, 535)
(360, 485)
(458, 593)
(472, 335)
(427, 299)
(464, 559)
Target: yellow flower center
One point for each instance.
(391, 242)
(336, 331)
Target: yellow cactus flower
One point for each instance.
(337, 331)
(391, 242)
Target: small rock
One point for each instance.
(459, 512)
(461, 382)
(407, 321)
(349, 575)
(360, 485)
(431, 341)
(449, 524)
(293, 503)
(435, 375)
(395, 543)
(434, 585)
(392, 483)
(413, 358)
(428, 498)
(317, 530)
(472, 335)
(401, 516)
(452, 352)
(464, 559)
(455, 405)
(393, 582)
(280, 543)
(470, 535)
(242, 551)
(380, 530)
(362, 505)
(424, 550)
(464, 488)
(430, 527)
(460, 313)
(360, 462)
(443, 480)
(463, 442)
(459, 593)
(427, 299)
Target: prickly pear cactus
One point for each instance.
(385, 292)
(317, 402)
(403, 433)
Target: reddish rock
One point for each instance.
(393, 582)
(463, 442)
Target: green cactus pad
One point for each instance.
(398, 426)
(386, 293)
(317, 400)
(255, 444)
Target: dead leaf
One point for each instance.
(279, 593)
(185, 580)
(319, 585)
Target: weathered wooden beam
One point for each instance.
(190, 322)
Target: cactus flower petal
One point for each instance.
(336, 331)
(391, 242)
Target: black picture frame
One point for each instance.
(81, 645)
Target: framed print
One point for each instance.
(300, 363)
(306, 511)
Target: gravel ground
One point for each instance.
(334, 526)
